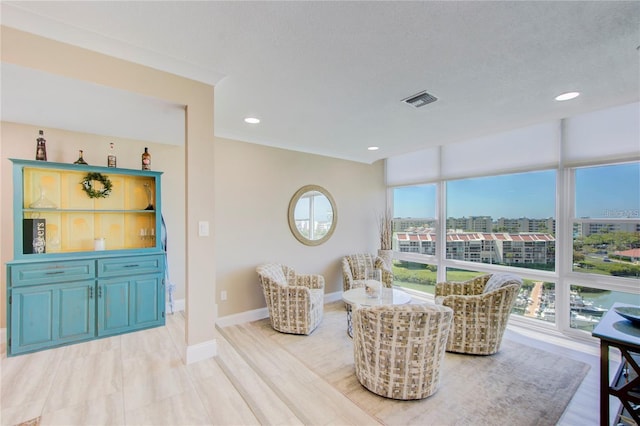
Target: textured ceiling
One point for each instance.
(329, 77)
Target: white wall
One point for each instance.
(254, 185)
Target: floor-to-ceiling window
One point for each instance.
(509, 221)
(605, 240)
(414, 231)
(557, 204)
(506, 220)
(503, 220)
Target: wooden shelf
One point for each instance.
(54, 193)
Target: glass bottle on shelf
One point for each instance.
(147, 189)
(41, 148)
(146, 159)
(80, 160)
(43, 202)
(111, 157)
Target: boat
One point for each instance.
(590, 310)
(580, 306)
(548, 314)
(578, 320)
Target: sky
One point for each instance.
(608, 192)
(601, 192)
(322, 208)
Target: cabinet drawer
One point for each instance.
(119, 266)
(51, 272)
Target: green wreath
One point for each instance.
(87, 185)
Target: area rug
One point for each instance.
(519, 385)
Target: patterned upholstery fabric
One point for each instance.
(498, 280)
(354, 268)
(398, 349)
(295, 301)
(479, 318)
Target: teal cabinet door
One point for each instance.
(77, 313)
(148, 301)
(51, 315)
(114, 314)
(130, 303)
(32, 314)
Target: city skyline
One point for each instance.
(608, 192)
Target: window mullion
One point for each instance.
(565, 195)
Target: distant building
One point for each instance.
(588, 228)
(404, 224)
(504, 248)
(524, 224)
(510, 225)
(506, 240)
(471, 223)
(632, 255)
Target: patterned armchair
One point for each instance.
(398, 349)
(295, 301)
(354, 268)
(481, 309)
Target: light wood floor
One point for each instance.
(140, 379)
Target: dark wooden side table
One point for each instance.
(616, 331)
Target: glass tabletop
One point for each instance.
(389, 296)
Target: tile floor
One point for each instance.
(140, 379)
(133, 379)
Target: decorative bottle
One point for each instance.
(111, 158)
(146, 159)
(80, 160)
(41, 149)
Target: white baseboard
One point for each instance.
(200, 351)
(333, 297)
(178, 306)
(258, 314)
(242, 317)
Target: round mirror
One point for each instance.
(312, 215)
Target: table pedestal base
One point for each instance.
(349, 321)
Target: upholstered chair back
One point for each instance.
(295, 301)
(399, 349)
(355, 266)
(481, 308)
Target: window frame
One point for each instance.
(563, 277)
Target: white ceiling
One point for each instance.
(46, 100)
(328, 77)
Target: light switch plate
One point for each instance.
(203, 228)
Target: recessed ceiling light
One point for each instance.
(373, 148)
(252, 120)
(567, 96)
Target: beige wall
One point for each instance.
(243, 191)
(28, 50)
(254, 185)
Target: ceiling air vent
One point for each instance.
(420, 99)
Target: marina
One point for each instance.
(540, 303)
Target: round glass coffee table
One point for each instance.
(358, 297)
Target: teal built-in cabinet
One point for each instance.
(88, 257)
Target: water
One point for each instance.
(608, 298)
